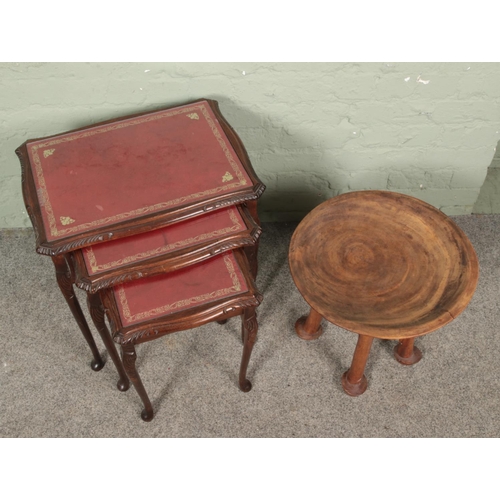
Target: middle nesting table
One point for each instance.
(167, 249)
(102, 270)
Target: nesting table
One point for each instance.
(382, 265)
(140, 196)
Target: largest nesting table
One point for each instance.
(382, 265)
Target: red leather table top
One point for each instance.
(113, 254)
(115, 172)
(150, 298)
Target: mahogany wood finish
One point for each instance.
(219, 309)
(141, 223)
(168, 261)
(383, 265)
(249, 330)
(36, 200)
(65, 282)
(252, 251)
(129, 357)
(97, 313)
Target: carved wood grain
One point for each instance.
(383, 264)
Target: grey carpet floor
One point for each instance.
(47, 388)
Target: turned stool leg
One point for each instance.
(64, 281)
(97, 313)
(309, 327)
(406, 353)
(249, 327)
(129, 356)
(353, 380)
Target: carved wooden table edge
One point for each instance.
(143, 223)
(167, 262)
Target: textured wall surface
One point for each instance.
(488, 201)
(312, 130)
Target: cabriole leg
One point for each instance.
(249, 327)
(97, 313)
(65, 283)
(129, 356)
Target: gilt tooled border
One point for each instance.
(95, 267)
(134, 318)
(43, 195)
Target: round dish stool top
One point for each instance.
(383, 264)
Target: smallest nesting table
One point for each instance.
(382, 265)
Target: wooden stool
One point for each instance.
(213, 290)
(382, 265)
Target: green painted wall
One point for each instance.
(312, 130)
(488, 201)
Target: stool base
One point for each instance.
(299, 328)
(354, 389)
(415, 357)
